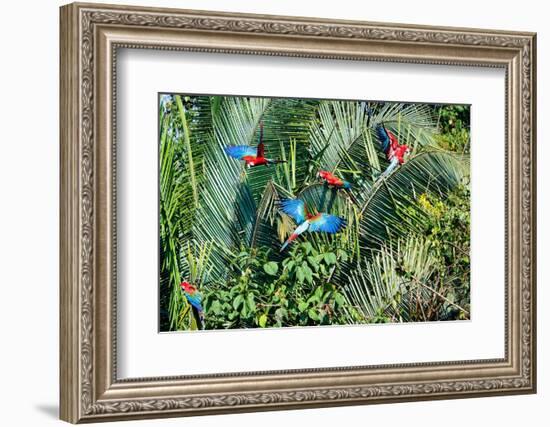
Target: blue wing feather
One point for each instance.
(240, 151)
(327, 224)
(195, 300)
(383, 137)
(294, 208)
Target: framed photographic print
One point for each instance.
(335, 212)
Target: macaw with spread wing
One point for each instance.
(318, 222)
(194, 298)
(395, 152)
(252, 156)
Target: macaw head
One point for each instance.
(187, 287)
(323, 174)
(401, 152)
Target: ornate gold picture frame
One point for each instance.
(91, 34)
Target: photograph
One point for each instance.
(292, 212)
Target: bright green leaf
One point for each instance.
(300, 275)
(238, 301)
(313, 314)
(271, 268)
(250, 302)
(330, 258)
(308, 273)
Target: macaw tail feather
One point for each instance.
(292, 237)
(274, 162)
(199, 317)
(347, 185)
(369, 112)
(393, 164)
(383, 137)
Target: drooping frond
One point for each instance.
(383, 210)
(376, 285)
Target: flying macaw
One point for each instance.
(320, 222)
(333, 181)
(194, 298)
(394, 151)
(252, 156)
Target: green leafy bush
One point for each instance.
(264, 293)
(454, 124)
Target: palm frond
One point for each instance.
(227, 206)
(286, 137)
(172, 196)
(385, 210)
(265, 229)
(339, 127)
(380, 285)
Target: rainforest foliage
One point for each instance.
(404, 254)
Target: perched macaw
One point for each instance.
(193, 297)
(252, 156)
(320, 222)
(332, 180)
(395, 152)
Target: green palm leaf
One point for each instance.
(172, 197)
(399, 283)
(379, 285)
(227, 207)
(384, 210)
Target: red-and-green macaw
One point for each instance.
(318, 222)
(252, 156)
(395, 152)
(333, 181)
(194, 298)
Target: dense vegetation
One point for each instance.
(403, 256)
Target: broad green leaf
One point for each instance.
(300, 274)
(271, 268)
(330, 258)
(308, 273)
(238, 301)
(313, 314)
(250, 301)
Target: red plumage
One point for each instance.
(330, 179)
(333, 180)
(396, 150)
(400, 152)
(189, 288)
